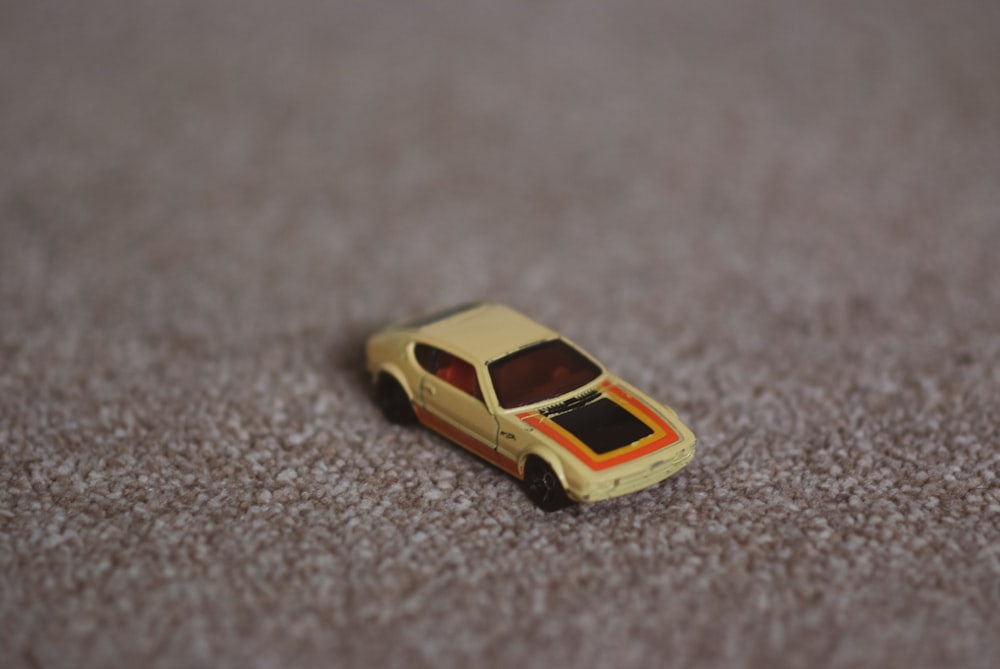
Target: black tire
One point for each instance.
(393, 401)
(543, 487)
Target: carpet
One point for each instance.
(781, 218)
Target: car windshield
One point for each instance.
(540, 372)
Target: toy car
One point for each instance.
(529, 401)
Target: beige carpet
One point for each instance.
(782, 218)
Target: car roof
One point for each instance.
(484, 332)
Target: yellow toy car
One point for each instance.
(527, 400)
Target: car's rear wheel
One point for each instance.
(393, 401)
(543, 486)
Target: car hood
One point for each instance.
(605, 426)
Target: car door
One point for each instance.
(450, 391)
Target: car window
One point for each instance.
(427, 357)
(539, 372)
(417, 323)
(449, 368)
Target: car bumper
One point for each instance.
(660, 467)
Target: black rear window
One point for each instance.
(439, 315)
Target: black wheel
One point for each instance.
(393, 401)
(543, 486)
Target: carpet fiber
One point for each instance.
(782, 218)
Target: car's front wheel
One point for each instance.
(393, 401)
(543, 486)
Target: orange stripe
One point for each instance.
(586, 456)
(466, 441)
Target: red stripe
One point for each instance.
(466, 441)
(669, 437)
